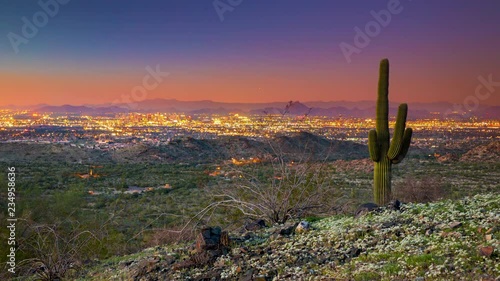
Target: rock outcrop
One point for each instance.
(484, 153)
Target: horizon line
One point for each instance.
(216, 101)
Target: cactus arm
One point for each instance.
(397, 139)
(373, 146)
(405, 147)
(382, 120)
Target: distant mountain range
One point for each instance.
(360, 109)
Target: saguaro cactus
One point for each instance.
(383, 151)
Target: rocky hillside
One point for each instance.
(484, 153)
(298, 147)
(447, 240)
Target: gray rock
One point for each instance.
(216, 230)
(354, 252)
(211, 238)
(303, 227)
(248, 276)
(255, 225)
(365, 208)
(394, 205)
(388, 224)
(287, 230)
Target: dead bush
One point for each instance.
(277, 191)
(420, 190)
(57, 255)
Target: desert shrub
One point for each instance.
(54, 254)
(276, 191)
(420, 190)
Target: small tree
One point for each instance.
(277, 190)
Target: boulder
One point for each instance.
(394, 205)
(303, 226)
(365, 208)
(211, 243)
(212, 238)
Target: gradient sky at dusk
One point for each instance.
(95, 51)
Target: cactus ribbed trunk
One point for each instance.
(382, 151)
(382, 181)
(382, 169)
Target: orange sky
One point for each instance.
(409, 84)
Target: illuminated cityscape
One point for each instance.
(161, 128)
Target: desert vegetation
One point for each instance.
(56, 204)
(278, 191)
(429, 241)
(77, 217)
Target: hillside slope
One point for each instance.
(446, 240)
(489, 152)
(188, 150)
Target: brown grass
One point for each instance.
(172, 235)
(420, 190)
